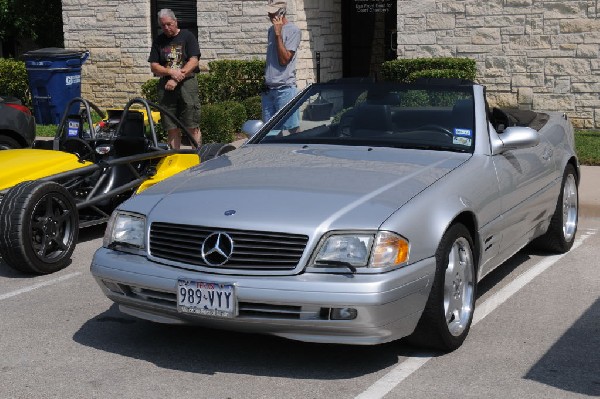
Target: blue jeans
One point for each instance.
(274, 99)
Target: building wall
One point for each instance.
(238, 30)
(535, 54)
(117, 34)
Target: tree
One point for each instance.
(39, 21)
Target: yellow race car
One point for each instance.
(76, 180)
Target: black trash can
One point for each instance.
(54, 80)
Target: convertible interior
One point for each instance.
(382, 115)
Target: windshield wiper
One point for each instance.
(433, 147)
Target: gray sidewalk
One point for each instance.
(589, 192)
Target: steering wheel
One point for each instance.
(79, 147)
(437, 128)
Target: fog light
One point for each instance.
(343, 314)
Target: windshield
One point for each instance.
(378, 114)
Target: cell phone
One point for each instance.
(281, 12)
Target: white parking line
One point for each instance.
(38, 285)
(399, 373)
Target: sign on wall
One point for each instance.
(373, 6)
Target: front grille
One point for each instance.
(252, 250)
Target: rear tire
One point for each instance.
(563, 226)
(39, 227)
(448, 314)
(8, 143)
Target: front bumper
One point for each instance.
(388, 305)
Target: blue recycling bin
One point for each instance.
(54, 80)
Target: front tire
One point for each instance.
(448, 314)
(563, 226)
(39, 227)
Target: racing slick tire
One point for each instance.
(39, 227)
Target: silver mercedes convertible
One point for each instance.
(361, 213)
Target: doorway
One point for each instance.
(368, 36)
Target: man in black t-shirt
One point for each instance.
(174, 57)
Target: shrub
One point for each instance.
(229, 95)
(231, 80)
(253, 107)
(227, 80)
(407, 70)
(441, 73)
(13, 80)
(150, 90)
(237, 112)
(216, 124)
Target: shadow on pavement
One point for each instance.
(573, 362)
(200, 350)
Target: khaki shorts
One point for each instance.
(183, 102)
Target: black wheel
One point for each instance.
(213, 150)
(561, 233)
(448, 314)
(79, 147)
(39, 226)
(8, 143)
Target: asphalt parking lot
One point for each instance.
(536, 334)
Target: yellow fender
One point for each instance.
(21, 165)
(169, 166)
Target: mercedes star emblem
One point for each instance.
(217, 249)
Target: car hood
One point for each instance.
(296, 188)
(21, 165)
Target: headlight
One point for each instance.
(352, 249)
(381, 250)
(125, 230)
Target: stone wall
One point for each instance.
(534, 54)
(238, 30)
(117, 34)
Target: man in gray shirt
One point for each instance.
(280, 72)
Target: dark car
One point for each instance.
(17, 125)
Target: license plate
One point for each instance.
(205, 298)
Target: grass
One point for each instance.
(587, 143)
(45, 130)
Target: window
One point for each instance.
(185, 11)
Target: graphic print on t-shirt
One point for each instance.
(174, 55)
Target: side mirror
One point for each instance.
(514, 138)
(251, 127)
